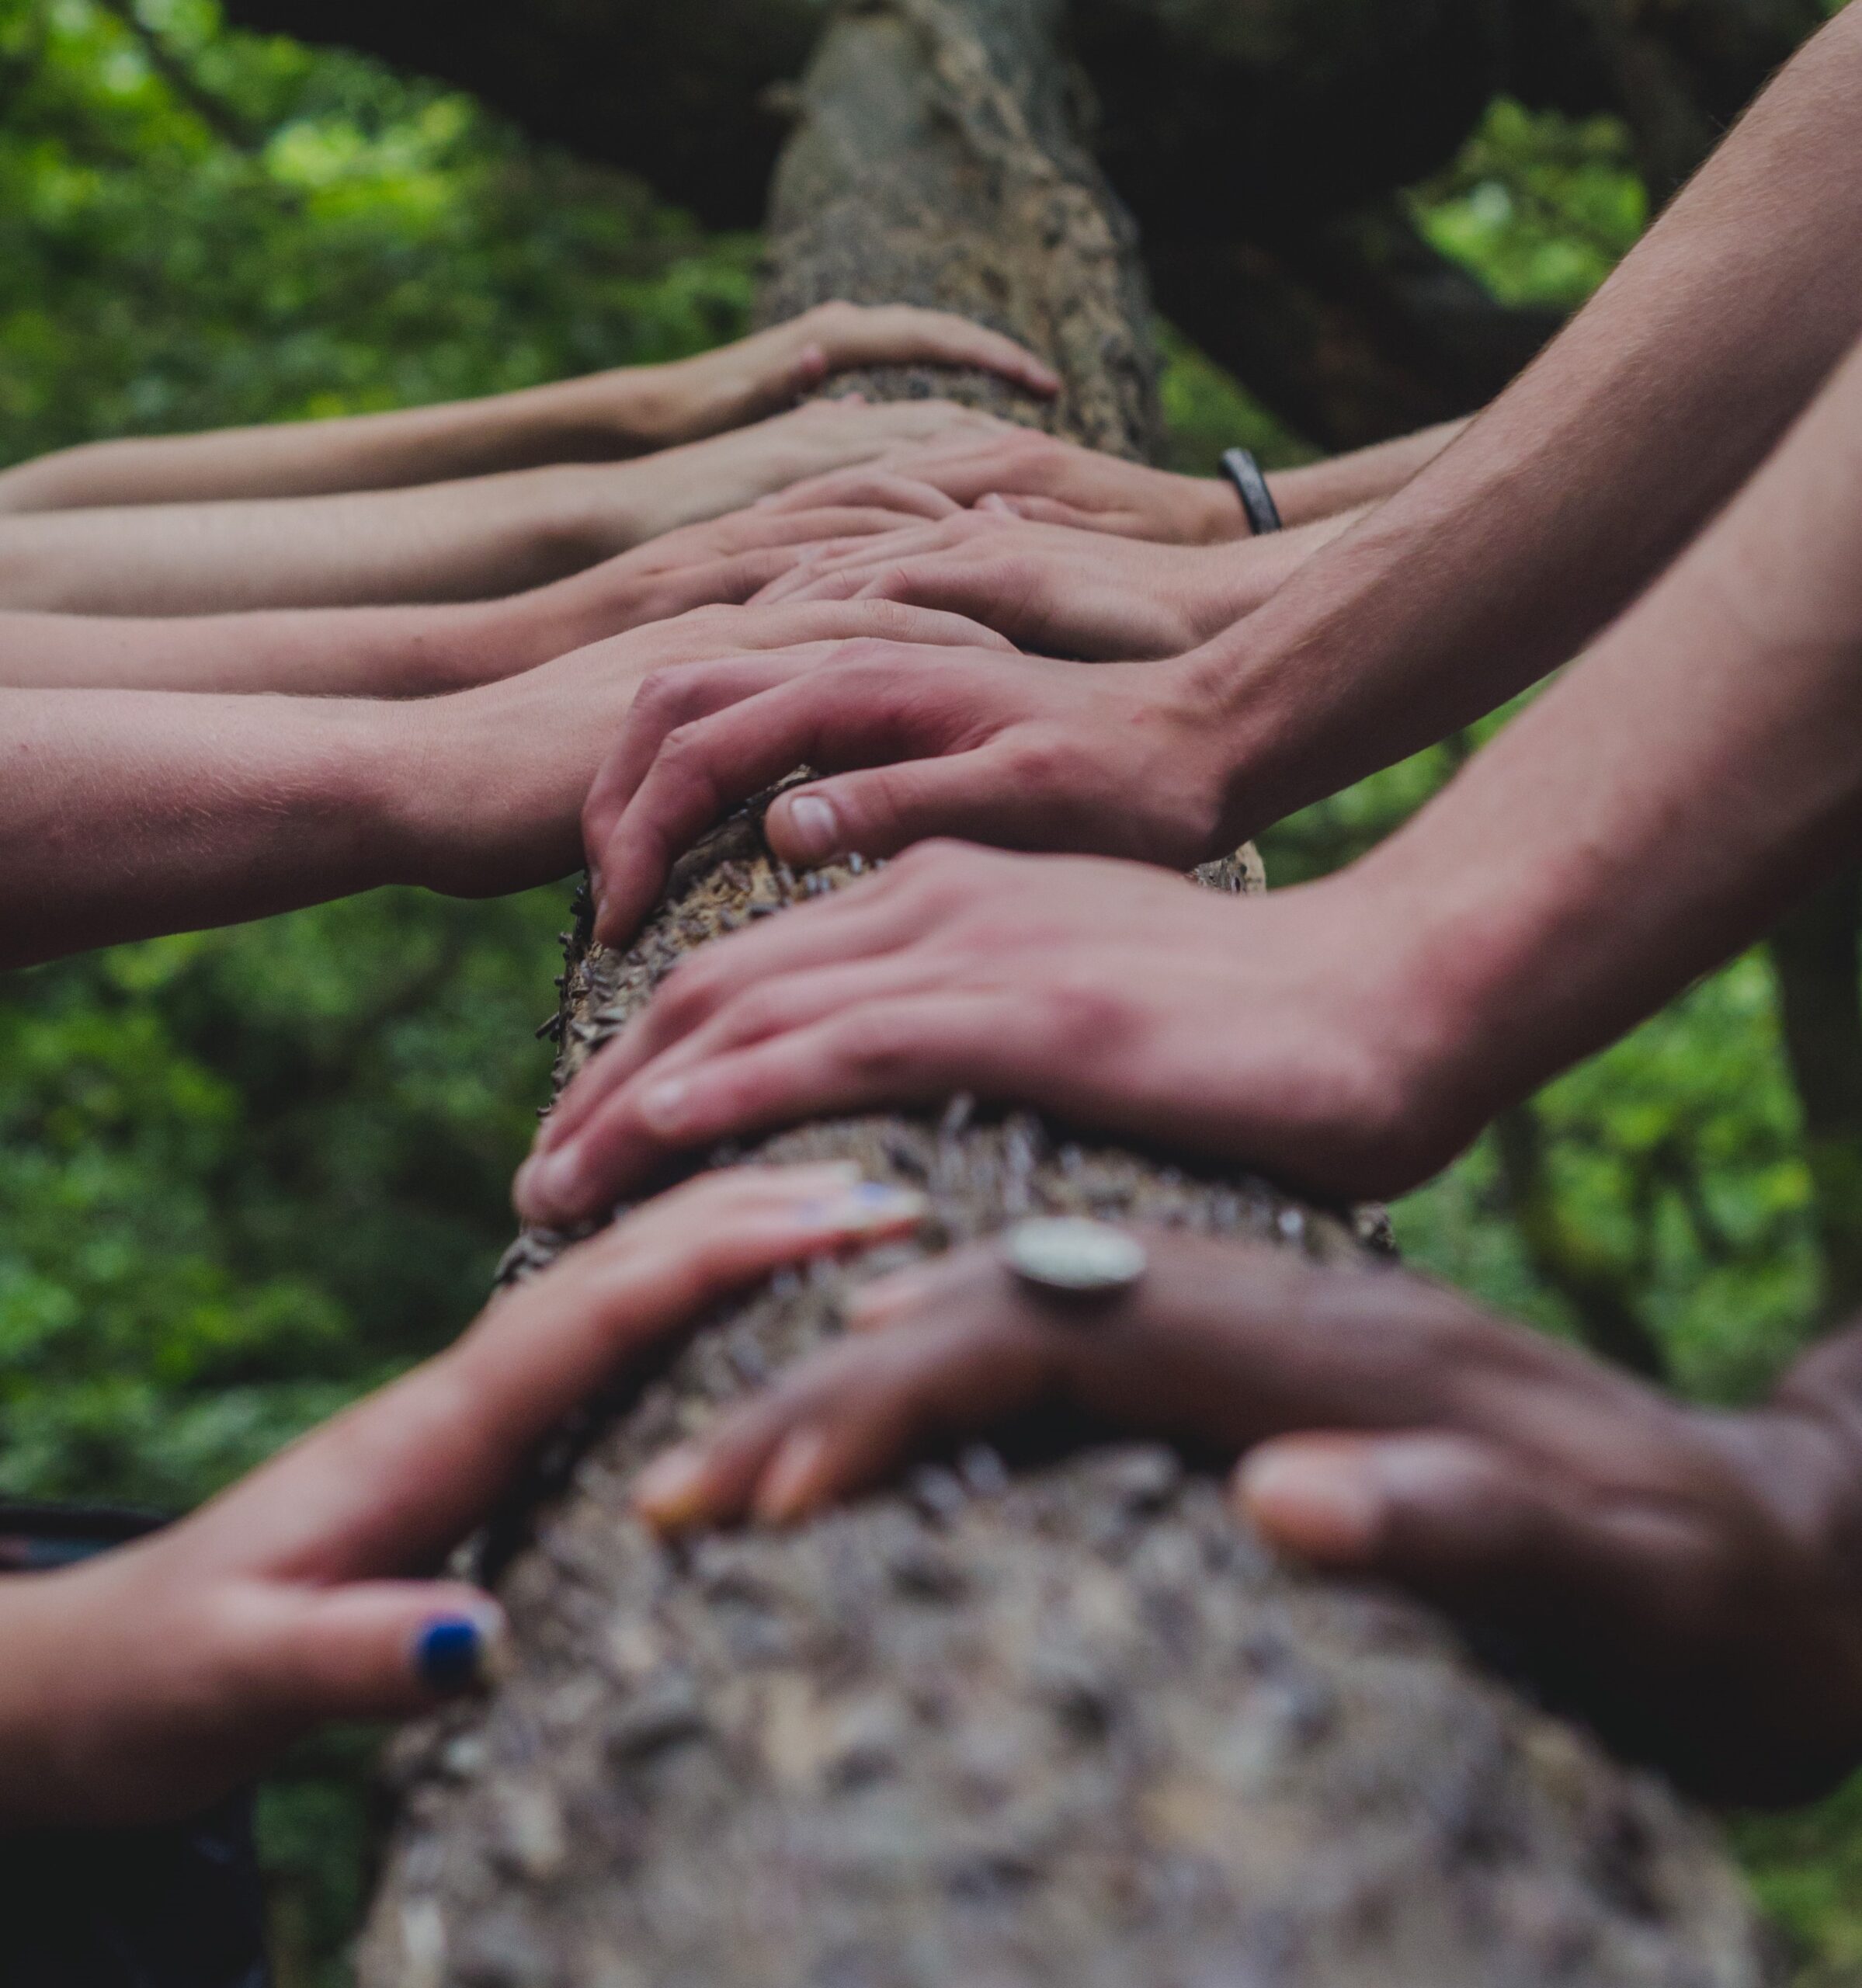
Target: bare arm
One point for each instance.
(1494, 564)
(127, 813)
(421, 651)
(622, 413)
(1500, 559)
(1367, 476)
(473, 539)
(1658, 809)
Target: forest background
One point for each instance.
(246, 1174)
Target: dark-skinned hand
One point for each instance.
(1688, 1578)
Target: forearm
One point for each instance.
(1366, 476)
(338, 652)
(569, 421)
(125, 813)
(1501, 558)
(466, 541)
(1660, 806)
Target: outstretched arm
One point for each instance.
(144, 1684)
(1494, 563)
(1656, 810)
(423, 651)
(127, 813)
(622, 413)
(474, 539)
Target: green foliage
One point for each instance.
(245, 1175)
(1542, 206)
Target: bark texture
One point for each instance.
(1054, 1719)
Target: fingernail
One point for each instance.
(547, 1181)
(814, 828)
(872, 1204)
(788, 1485)
(872, 1306)
(995, 501)
(669, 1492)
(1321, 1504)
(454, 1653)
(659, 1103)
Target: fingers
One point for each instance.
(975, 796)
(874, 917)
(693, 748)
(869, 486)
(909, 1049)
(402, 1476)
(902, 334)
(1474, 1521)
(844, 1420)
(855, 554)
(1037, 510)
(293, 1657)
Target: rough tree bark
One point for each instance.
(1063, 1723)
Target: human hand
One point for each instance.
(1122, 760)
(721, 562)
(1052, 588)
(629, 502)
(1303, 1033)
(142, 1684)
(1022, 473)
(659, 406)
(1682, 1576)
(491, 783)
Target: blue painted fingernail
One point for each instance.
(450, 1654)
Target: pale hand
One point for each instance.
(1298, 1034)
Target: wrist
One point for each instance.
(1212, 511)
(474, 799)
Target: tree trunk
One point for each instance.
(1063, 1723)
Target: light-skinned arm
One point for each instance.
(422, 651)
(477, 538)
(1659, 808)
(596, 418)
(127, 813)
(1494, 563)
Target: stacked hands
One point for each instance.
(516, 649)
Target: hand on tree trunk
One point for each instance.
(1054, 588)
(1683, 1574)
(144, 1684)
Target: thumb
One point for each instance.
(369, 1649)
(1445, 1514)
(880, 810)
